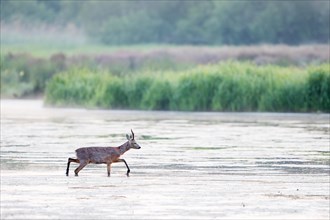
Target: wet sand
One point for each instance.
(190, 166)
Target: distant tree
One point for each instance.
(230, 22)
(292, 22)
(52, 5)
(134, 28)
(181, 22)
(26, 11)
(192, 29)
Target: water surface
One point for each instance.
(190, 166)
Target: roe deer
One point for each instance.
(107, 155)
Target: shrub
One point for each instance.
(158, 96)
(74, 87)
(135, 89)
(318, 88)
(230, 86)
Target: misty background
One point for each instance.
(155, 55)
(229, 101)
(204, 22)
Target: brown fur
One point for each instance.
(106, 155)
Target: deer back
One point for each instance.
(98, 154)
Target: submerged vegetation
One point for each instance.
(228, 86)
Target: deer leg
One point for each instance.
(80, 167)
(69, 161)
(128, 170)
(108, 168)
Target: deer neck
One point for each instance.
(123, 148)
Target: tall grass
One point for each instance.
(26, 71)
(229, 86)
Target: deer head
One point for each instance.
(131, 141)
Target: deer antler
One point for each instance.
(132, 134)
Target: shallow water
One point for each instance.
(190, 166)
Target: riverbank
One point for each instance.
(26, 67)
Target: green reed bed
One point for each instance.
(229, 86)
(24, 73)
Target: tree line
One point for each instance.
(204, 22)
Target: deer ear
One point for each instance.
(127, 136)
